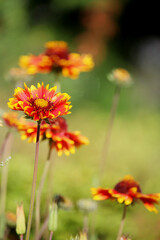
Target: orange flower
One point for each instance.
(36, 64)
(127, 191)
(64, 141)
(56, 132)
(11, 119)
(40, 103)
(57, 50)
(76, 63)
(57, 58)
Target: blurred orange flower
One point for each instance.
(10, 119)
(40, 103)
(57, 134)
(36, 64)
(127, 191)
(57, 58)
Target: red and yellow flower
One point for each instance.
(77, 63)
(127, 191)
(57, 57)
(57, 134)
(11, 119)
(40, 103)
(36, 64)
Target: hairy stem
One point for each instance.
(33, 183)
(39, 191)
(109, 131)
(122, 223)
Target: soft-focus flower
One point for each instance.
(127, 191)
(1, 124)
(18, 74)
(87, 205)
(57, 50)
(11, 218)
(40, 103)
(77, 63)
(120, 76)
(56, 131)
(36, 64)
(57, 58)
(11, 119)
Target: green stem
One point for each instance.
(33, 183)
(39, 191)
(5, 152)
(85, 224)
(110, 126)
(57, 82)
(122, 223)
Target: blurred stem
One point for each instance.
(51, 235)
(109, 131)
(43, 228)
(122, 223)
(33, 183)
(21, 237)
(5, 151)
(57, 82)
(85, 223)
(40, 188)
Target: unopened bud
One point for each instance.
(20, 220)
(53, 217)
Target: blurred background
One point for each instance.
(118, 33)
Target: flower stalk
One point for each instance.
(33, 183)
(39, 191)
(51, 236)
(4, 153)
(122, 223)
(110, 127)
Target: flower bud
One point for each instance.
(20, 220)
(53, 217)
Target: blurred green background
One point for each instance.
(104, 29)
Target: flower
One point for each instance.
(77, 63)
(127, 191)
(57, 58)
(56, 131)
(57, 50)
(11, 119)
(18, 74)
(87, 205)
(120, 76)
(40, 103)
(64, 141)
(36, 64)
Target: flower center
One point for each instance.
(125, 185)
(41, 103)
